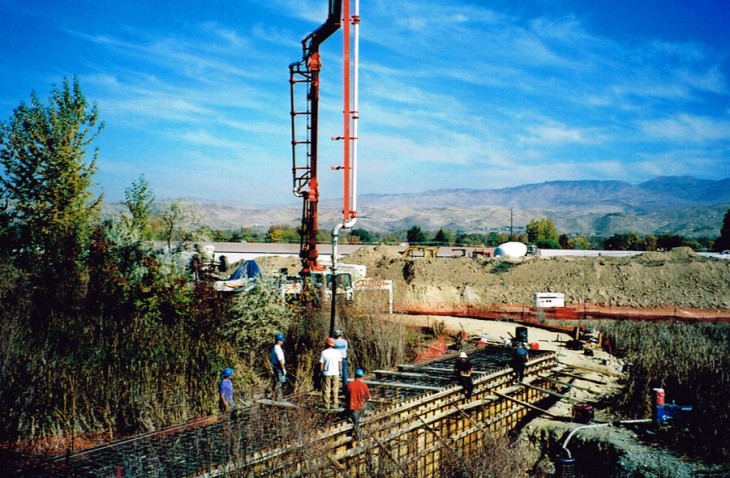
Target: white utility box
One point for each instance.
(549, 299)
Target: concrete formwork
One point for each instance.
(408, 438)
(418, 419)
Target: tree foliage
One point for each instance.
(181, 223)
(415, 235)
(45, 177)
(722, 243)
(541, 229)
(100, 331)
(444, 237)
(282, 234)
(579, 242)
(362, 236)
(139, 200)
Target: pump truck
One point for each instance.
(304, 79)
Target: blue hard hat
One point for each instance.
(359, 372)
(227, 372)
(279, 336)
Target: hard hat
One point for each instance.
(279, 336)
(330, 341)
(227, 372)
(359, 372)
(462, 355)
(338, 333)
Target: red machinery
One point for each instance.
(305, 117)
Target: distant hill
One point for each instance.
(680, 205)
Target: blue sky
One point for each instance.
(453, 94)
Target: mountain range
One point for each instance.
(681, 205)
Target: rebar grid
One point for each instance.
(401, 431)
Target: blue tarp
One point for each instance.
(247, 270)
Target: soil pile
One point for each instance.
(653, 279)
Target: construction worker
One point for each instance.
(463, 370)
(341, 345)
(358, 394)
(278, 366)
(519, 361)
(330, 366)
(225, 390)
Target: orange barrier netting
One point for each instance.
(539, 316)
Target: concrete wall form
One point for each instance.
(411, 438)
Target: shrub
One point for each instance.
(691, 362)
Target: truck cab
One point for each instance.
(322, 282)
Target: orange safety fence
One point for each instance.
(580, 311)
(437, 348)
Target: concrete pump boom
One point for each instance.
(305, 117)
(306, 183)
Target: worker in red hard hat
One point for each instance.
(330, 366)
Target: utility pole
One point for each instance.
(511, 234)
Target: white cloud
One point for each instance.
(687, 128)
(555, 134)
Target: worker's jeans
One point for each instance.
(331, 391)
(279, 380)
(355, 416)
(467, 384)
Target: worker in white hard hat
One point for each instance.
(330, 366)
(463, 370)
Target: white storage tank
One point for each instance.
(549, 299)
(511, 249)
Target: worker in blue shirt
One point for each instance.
(341, 345)
(226, 391)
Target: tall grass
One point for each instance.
(691, 362)
(376, 341)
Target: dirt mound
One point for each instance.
(271, 264)
(678, 278)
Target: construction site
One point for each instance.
(419, 421)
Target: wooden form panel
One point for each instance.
(412, 438)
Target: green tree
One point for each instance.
(723, 242)
(564, 241)
(580, 242)
(650, 243)
(541, 229)
(415, 235)
(47, 222)
(667, 242)
(444, 237)
(45, 177)
(181, 223)
(363, 236)
(628, 241)
(139, 200)
(249, 234)
(283, 235)
(548, 244)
